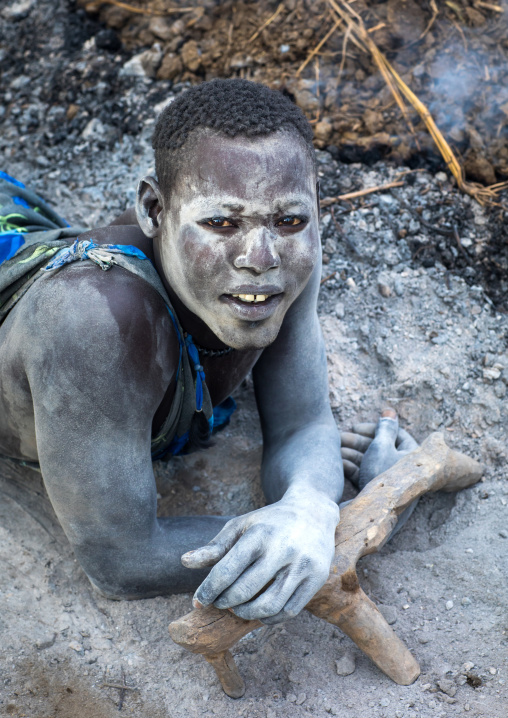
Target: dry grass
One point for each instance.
(403, 94)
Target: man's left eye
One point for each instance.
(289, 222)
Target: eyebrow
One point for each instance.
(279, 207)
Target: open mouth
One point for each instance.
(253, 305)
(256, 298)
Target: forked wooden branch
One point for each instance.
(365, 525)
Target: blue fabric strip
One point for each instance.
(5, 176)
(10, 242)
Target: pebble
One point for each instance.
(76, 646)
(384, 702)
(291, 698)
(466, 601)
(447, 686)
(424, 638)
(302, 697)
(340, 310)
(468, 666)
(503, 533)
(45, 641)
(492, 671)
(449, 605)
(345, 665)
(389, 613)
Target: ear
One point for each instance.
(149, 206)
(318, 189)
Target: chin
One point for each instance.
(250, 339)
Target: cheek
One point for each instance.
(301, 255)
(200, 261)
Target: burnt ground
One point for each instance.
(71, 75)
(410, 317)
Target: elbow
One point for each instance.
(114, 575)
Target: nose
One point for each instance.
(258, 253)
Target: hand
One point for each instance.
(373, 448)
(289, 543)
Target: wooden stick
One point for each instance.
(318, 47)
(365, 525)
(268, 22)
(327, 201)
(95, 5)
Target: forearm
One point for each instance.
(126, 567)
(306, 461)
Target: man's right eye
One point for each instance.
(218, 222)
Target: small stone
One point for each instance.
(503, 533)
(389, 613)
(383, 289)
(322, 132)
(76, 646)
(468, 666)
(293, 677)
(424, 638)
(171, 67)
(340, 312)
(467, 707)
(345, 665)
(291, 698)
(405, 606)
(492, 671)
(384, 702)
(449, 605)
(350, 282)
(302, 697)
(191, 55)
(45, 642)
(491, 373)
(447, 687)
(466, 601)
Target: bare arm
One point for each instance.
(290, 542)
(99, 359)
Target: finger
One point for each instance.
(354, 441)
(223, 574)
(365, 429)
(387, 429)
(351, 455)
(405, 441)
(300, 598)
(271, 601)
(250, 583)
(351, 471)
(211, 553)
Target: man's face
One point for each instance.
(240, 237)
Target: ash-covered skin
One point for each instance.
(87, 369)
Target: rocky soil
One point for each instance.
(408, 321)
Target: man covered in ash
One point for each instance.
(216, 274)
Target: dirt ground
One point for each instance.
(405, 322)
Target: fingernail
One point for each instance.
(196, 603)
(388, 413)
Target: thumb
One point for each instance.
(210, 554)
(387, 428)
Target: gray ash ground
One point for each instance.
(419, 333)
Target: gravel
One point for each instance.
(422, 345)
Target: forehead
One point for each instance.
(266, 169)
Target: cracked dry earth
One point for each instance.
(426, 340)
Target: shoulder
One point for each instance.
(111, 321)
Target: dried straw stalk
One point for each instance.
(401, 91)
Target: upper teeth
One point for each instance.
(251, 297)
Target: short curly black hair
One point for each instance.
(229, 106)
